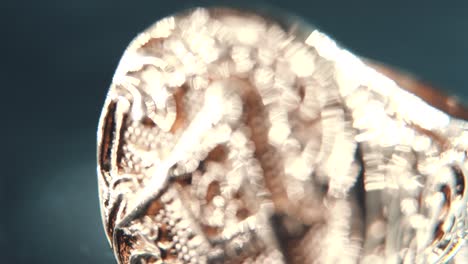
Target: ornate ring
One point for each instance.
(231, 137)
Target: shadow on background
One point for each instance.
(57, 61)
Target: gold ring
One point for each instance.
(233, 137)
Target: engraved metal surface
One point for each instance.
(227, 137)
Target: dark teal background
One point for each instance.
(57, 60)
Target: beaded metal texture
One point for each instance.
(228, 137)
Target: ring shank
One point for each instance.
(430, 94)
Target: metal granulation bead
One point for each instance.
(227, 137)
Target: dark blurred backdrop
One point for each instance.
(57, 60)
